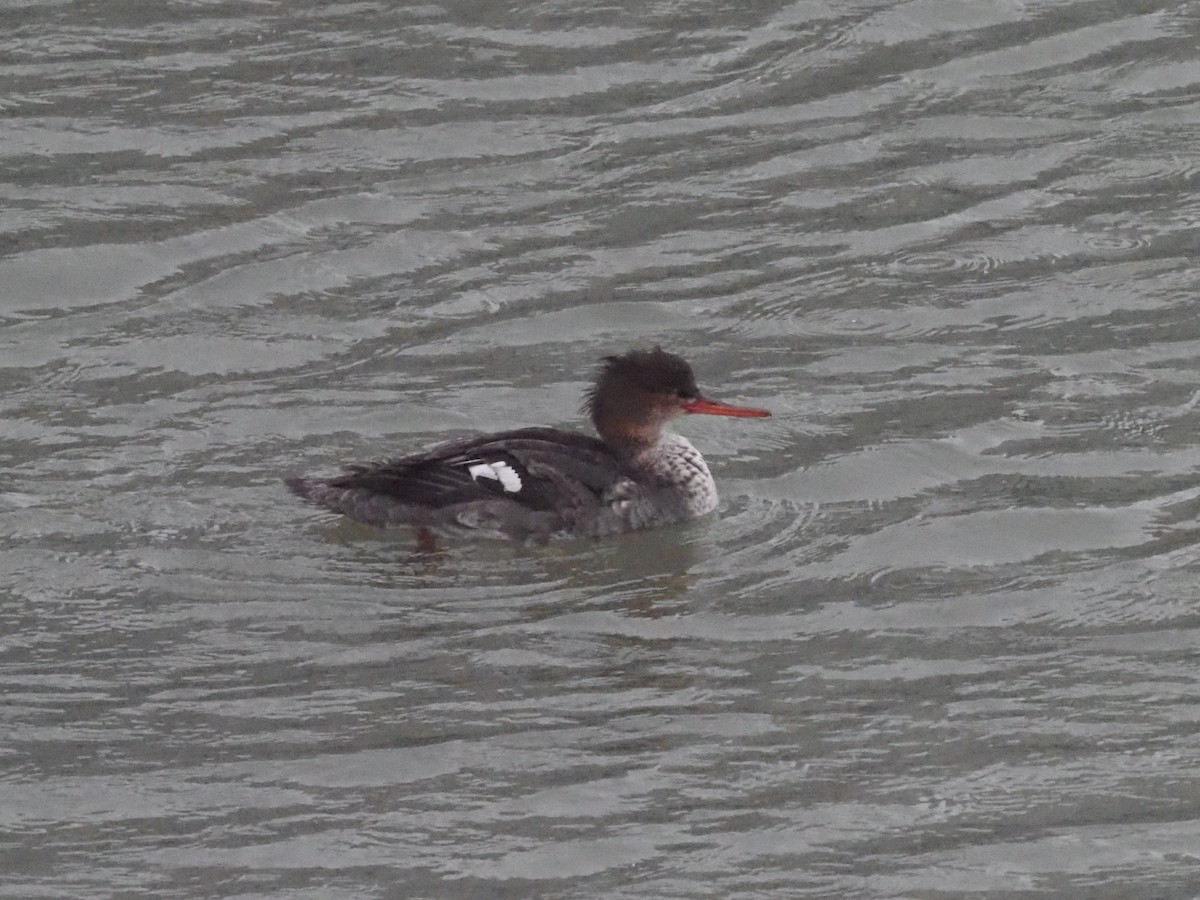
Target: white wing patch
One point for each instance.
(500, 471)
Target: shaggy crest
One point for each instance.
(650, 371)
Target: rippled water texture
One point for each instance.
(940, 641)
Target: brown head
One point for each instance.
(636, 394)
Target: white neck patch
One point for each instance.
(497, 471)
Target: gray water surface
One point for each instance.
(939, 641)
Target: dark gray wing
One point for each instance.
(542, 469)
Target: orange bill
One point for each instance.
(704, 406)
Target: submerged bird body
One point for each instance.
(535, 483)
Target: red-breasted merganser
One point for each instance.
(534, 483)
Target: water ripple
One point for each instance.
(939, 638)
